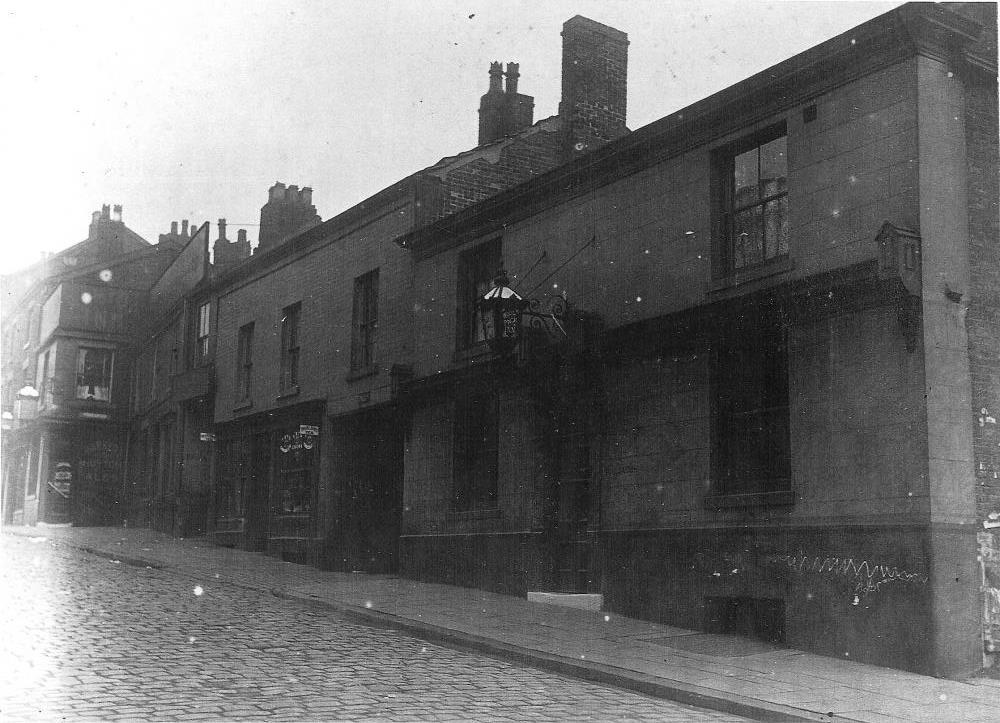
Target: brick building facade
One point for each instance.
(757, 393)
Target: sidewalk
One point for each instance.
(714, 671)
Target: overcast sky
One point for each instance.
(191, 110)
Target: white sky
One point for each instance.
(192, 109)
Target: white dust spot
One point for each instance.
(943, 696)
(192, 639)
(607, 618)
(638, 298)
(368, 604)
(105, 275)
(116, 562)
(855, 601)
(198, 590)
(86, 297)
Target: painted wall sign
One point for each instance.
(62, 480)
(309, 430)
(206, 437)
(298, 440)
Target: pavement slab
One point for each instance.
(722, 672)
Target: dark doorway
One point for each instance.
(571, 542)
(258, 491)
(373, 492)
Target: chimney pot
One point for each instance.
(512, 76)
(241, 235)
(222, 229)
(106, 211)
(173, 228)
(184, 227)
(307, 196)
(496, 73)
(116, 212)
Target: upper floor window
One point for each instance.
(44, 383)
(752, 200)
(93, 373)
(477, 268)
(244, 362)
(365, 321)
(290, 346)
(751, 452)
(476, 453)
(203, 333)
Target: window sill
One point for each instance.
(483, 514)
(357, 374)
(736, 278)
(243, 404)
(782, 498)
(290, 392)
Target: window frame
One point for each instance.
(203, 334)
(109, 364)
(364, 327)
(750, 363)
(244, 362)
(477, 268)
(291, 319)
(476, 450)
(724, 207)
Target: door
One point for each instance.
(571, 540)
(257, 453)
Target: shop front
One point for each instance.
(266, 486)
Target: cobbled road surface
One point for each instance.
(87, 638)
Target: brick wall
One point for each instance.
(641, 246)
(983, 317)
(322, 279)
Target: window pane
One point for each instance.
(747, 242)
(776, 227)
(745, 179)
(774, 167)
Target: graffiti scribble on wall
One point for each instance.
(866, 577)
(989, 556)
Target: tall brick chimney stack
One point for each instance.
(288, 211)
(594, 75)
(503, 111)
(226, 253)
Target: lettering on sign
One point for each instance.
(291, 442)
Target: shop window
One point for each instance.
(750, 446)
(203, 334)
(244, 362)
(93, 374)
(750, 180)
(476, 454)
(476, 270)
(365, 321)
(290, 347)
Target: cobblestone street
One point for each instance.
(86, 637)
